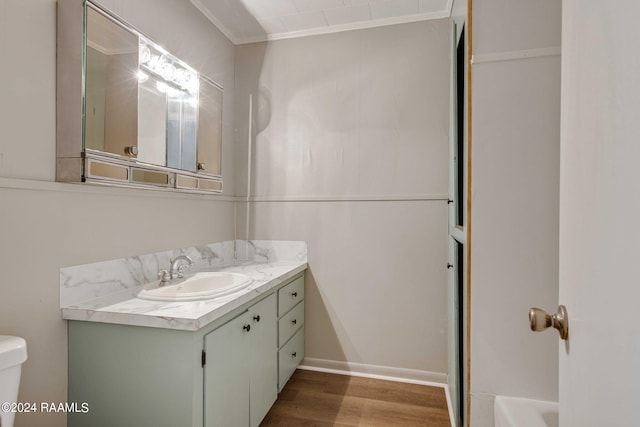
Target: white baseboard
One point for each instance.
(411, 376)
(452, 417)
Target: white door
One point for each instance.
(600, 213)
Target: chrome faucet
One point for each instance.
(178, 266)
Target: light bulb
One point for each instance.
(153, 62)
(191, 83)
(193, 101)
(162, 87)
(167, 70)
(144, 54)
(180, 76)
(142, 76)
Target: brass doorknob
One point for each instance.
(540, 321)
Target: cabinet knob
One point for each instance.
(294, 294)
(246, 328)
(256, 318)
(131, 151)
(202, 166)
(294, 354)
(294, 321)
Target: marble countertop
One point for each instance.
(125, 309)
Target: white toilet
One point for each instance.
(13, 353)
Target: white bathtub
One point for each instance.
(516, 412)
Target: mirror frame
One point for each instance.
(74, 163)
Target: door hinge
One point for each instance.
(204, 358)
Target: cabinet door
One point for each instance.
(226, 378)
(263, 358)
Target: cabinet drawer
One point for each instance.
(290, 323)
(289, 357)
(290, 295)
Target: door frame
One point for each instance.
(460, 233)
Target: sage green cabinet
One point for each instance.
(226, 379)
(290, 329)
(240, 382)
(262, 358)
(134, 376)
(225, 374)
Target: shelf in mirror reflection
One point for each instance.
(105, 169)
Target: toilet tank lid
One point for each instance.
(13, 351)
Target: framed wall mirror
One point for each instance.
(146, 117)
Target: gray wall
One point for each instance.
(349, 152)
(46, 225)
(515, 193)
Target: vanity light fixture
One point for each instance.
(142, 76)
(193, 101)
(162, 87)
(152, 62)
(192, 83)
(167, 70)
(156, 60)
(145, 54)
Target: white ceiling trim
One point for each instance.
(346, 27)
(322, 30)
(211, 17)
(449, 7)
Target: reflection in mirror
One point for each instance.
(149, 177)
(207, 184)
(111, 95)
(129, 112)
(152, 123)
(172, 86)
(138, 95)
(105, 170)
(210, 128)
(186, 182)
(182, 124)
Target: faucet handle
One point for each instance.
(164, 276)
(182, 269)
(178, 265)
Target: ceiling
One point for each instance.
(246, 21)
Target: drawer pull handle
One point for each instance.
(294, 354)
(246, 328)
(294, 294)
(294, 321)
(256, 318)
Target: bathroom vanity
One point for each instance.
(218, 362)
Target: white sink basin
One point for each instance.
(200, 286)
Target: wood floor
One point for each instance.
(320, 399)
